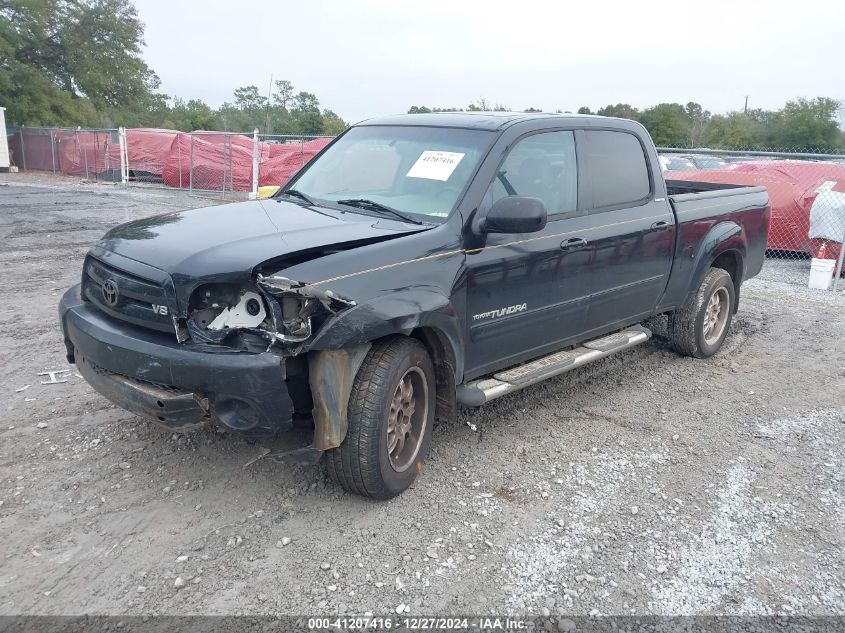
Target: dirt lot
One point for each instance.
(647, 483)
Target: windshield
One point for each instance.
(679, 165)
(710, 163)
(414, 170)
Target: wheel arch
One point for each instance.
(731, 261)
(723, 247)
(332, 373)
(443, 358)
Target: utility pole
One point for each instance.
(267, 108)
(745, 109)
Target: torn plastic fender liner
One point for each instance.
(330, 374)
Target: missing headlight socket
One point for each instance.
(278, 309)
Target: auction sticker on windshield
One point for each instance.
(435, 165)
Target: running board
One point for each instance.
(476, 393)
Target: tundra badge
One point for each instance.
(520, 307)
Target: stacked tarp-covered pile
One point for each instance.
(212, 161)
(146, 152)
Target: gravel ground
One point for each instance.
(644, 484)
(785, 278)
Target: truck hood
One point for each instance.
(230, 240)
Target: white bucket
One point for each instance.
(821, 273)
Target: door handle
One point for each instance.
(573, 243)
(659, 226)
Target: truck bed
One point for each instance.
(742, 212)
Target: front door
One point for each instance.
(527, 293)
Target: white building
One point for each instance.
(4, 141)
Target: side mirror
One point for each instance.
(514, 214)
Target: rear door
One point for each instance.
(632, 232)
(528, 292)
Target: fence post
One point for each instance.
(23, 149)
(838, 270)
(106, 159)
(124, 156)
(53, 149)
(179, 154)
(254, 193)
(227, 146)
(84, 151)
(191, 165)
(231, 175)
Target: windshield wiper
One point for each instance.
(298, 194)
(372, 205)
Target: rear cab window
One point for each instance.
(618, 170)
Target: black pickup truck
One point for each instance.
(418, 263)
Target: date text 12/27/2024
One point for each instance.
(486, 623)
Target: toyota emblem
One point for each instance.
(110, 293)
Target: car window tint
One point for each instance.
(618, 169)
(540, 166)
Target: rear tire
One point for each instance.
(698, 328)
(390, 413)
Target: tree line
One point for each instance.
(807, 125)
(69, 63)
(78, 63)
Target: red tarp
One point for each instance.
(146, 150)
(216, 158)
(203, 160)
(82, 153)
(86, 154)
(92, 154)
(209, 161)
(793, 187)
(39, 153)
(285, 159)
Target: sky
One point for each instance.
(366, 58)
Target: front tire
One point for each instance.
(390, 413)
(699, 327)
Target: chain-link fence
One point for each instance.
(220, 164)
(807, 196)
(285, 155)
(224, 163)
(91, 154)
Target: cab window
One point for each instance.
(617, 168)
(540, 166)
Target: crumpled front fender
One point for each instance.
(330, 375)
(399, 312)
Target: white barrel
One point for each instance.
(821, 273)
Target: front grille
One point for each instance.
(135, 300)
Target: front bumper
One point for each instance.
(149, 373)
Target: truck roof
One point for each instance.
(475, 120)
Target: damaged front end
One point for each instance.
(279, 312)
(281, 315)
